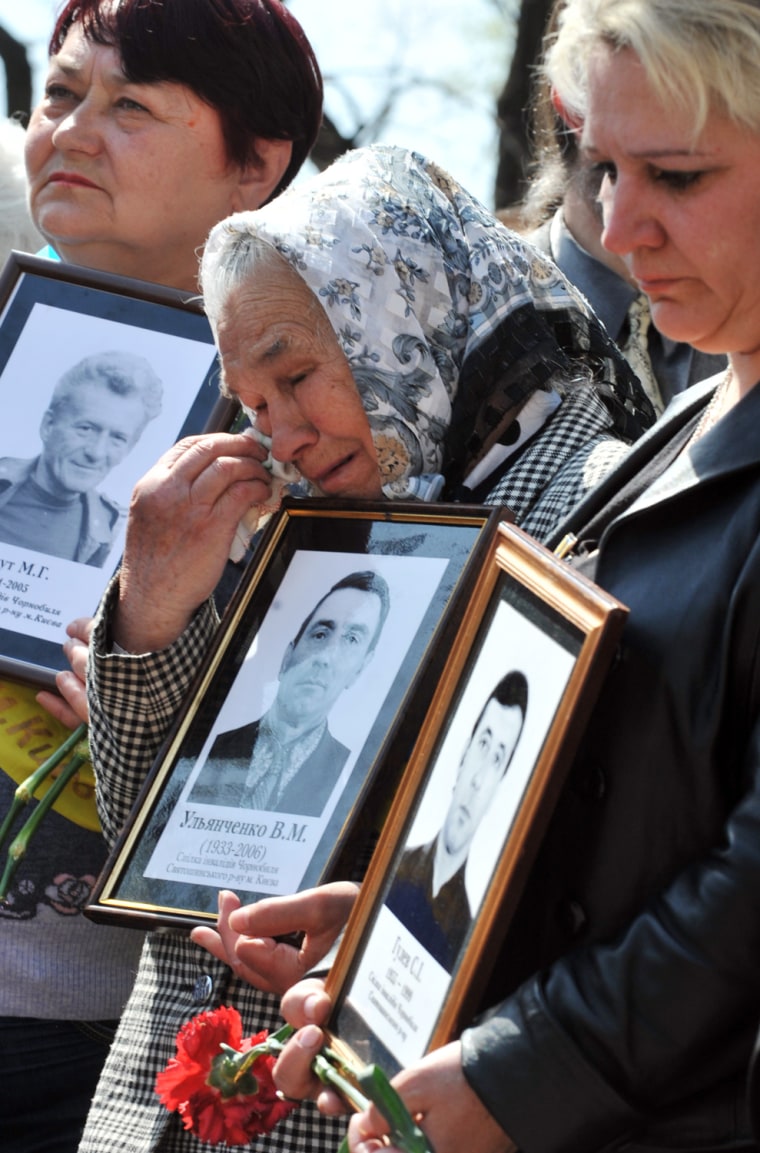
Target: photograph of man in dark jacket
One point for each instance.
(288, 760)
(428, 893)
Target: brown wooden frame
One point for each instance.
(306, 545)
(372, 982)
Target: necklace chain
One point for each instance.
(714, 410)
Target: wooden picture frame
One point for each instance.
(229, 802)
(476, 797)
(76, 438)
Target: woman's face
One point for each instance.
(125, 177)
(683, 214)
(282, 361)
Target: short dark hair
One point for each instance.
(249, 60)
(510, 692)
(367, 581)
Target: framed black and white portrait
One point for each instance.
(303, 715)
(468, 817)
(99, 375)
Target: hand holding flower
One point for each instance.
(221, 1084)
(435, 1092)
(306, 1006)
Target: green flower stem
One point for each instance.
(273, 1045)
(26, 790)
(404, 1133)
(20, 844)
(329, 1075)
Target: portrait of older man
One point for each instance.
(96, 414)
(428, 893)
(288, 760)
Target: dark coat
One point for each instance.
(441, 922)
(221, 781)
(642, 912)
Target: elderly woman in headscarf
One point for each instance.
(462, 341)
(388, 337)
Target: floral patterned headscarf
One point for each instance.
(449, 321)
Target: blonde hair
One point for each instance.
(16, 227)
(703, 55)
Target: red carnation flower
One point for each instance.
(220, 1093)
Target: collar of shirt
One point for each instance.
(609, 294)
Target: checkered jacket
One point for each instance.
(133, 701)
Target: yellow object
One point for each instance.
(28, 736)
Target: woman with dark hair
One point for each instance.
(158, 119)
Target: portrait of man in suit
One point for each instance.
(428, 893)
(288, 760)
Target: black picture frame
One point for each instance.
(52, 315)
(409, 969)
(193, 830)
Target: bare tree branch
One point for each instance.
(512, 105)
(330, 144)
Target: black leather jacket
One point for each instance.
(634, 958)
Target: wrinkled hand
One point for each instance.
(449, 1112)
(70, 708)
(182, 520)
(245, 935)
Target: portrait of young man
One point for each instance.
(428, 893)
(288, 760)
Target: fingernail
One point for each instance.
(309, 1038)
(311, 1007)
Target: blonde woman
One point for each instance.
(623, 1008)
